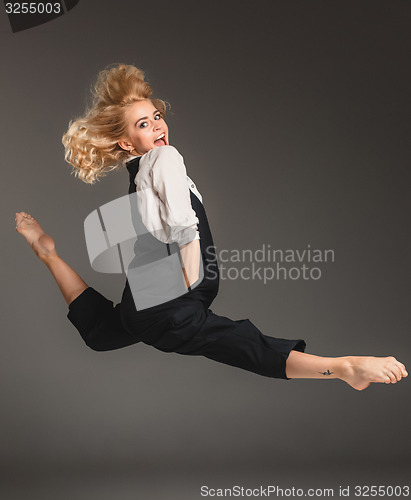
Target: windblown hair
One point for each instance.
(91, 141)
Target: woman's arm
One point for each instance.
(169, 178)
(190, 255)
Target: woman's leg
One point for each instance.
(69, 282)
(197, 332)
(97, 321)
(358, 371)
(100, 326)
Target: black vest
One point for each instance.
(208, 288)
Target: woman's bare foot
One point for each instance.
(40, 242)
(360, 371)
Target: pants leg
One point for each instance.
(98, 322)
(236, 343)
(190, 329)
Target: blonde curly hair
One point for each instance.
(91, 141)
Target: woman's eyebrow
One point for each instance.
(146, 117)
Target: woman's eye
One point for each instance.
(156, 117)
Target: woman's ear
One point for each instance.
(125, 145)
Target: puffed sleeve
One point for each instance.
(169, 180)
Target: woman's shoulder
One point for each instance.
(160, 152)
(162, 161)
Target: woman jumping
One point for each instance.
(125, 126)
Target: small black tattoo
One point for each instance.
(327, 373)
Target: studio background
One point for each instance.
(293, 120)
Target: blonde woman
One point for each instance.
(126, 126)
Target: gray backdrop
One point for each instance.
(293, 120)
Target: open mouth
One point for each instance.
(161, 140)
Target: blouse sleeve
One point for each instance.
(169, 179)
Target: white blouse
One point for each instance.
(163, 191)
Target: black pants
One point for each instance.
(185, 325)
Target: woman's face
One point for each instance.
(146, 128)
